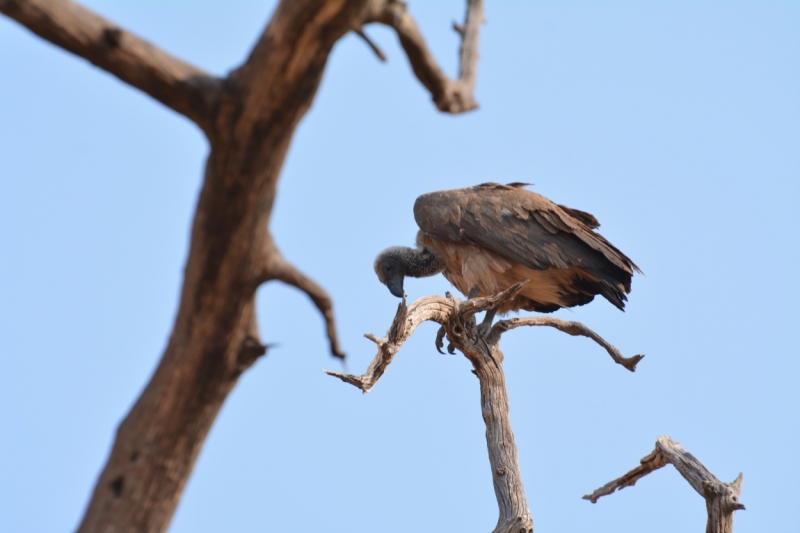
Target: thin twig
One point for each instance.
(371, 44)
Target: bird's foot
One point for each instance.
(483, 330)
(451, 349)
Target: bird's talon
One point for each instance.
(451, 349)
(440, 339)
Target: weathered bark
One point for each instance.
(458, 323)
(249, 119)
(453, 96)
(722, 499)
(508, 489)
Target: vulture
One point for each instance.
(486, 238)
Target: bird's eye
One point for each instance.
(388, 267)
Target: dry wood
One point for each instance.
(722, 499)
(458, 322)
(249, 118)
(453, 96)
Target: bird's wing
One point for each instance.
(522, 226)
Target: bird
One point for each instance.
(486, 238)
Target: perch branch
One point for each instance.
(405, 321)
(176, 84)
(452, 96)
(277, 267)
(457, 319)
(722, 499)
(458, 324)
(570, 327)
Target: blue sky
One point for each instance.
(676, 123)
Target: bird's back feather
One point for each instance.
(534, 235)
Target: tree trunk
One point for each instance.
(214, 338)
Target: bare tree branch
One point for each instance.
(278, 268)
(433, 308)
(441, 310)
(570, 327)
(406, 320)
(457, 318)
(649, 463)
(176, 84)
(458, 323)
(452, 96)
(722, 499)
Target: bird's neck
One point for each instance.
(422, 263)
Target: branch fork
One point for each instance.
(449, 95)
(457, 319)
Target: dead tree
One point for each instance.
(722, 499)
(249, 118)
(458, 323)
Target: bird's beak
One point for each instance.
(396, 286)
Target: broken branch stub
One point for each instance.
(457, 320)
(722, 499)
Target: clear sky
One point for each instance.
(676, 123)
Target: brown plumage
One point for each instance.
(486, 238)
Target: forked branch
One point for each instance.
(451, 310)
(452, 96)
(458, 322)
(722, 499)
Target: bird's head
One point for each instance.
(390, 266)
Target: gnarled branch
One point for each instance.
(458, 322)
(449, 309)
(452, 96)
(567, 326)
(722, 499)
(176, 84)
(405, 321)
